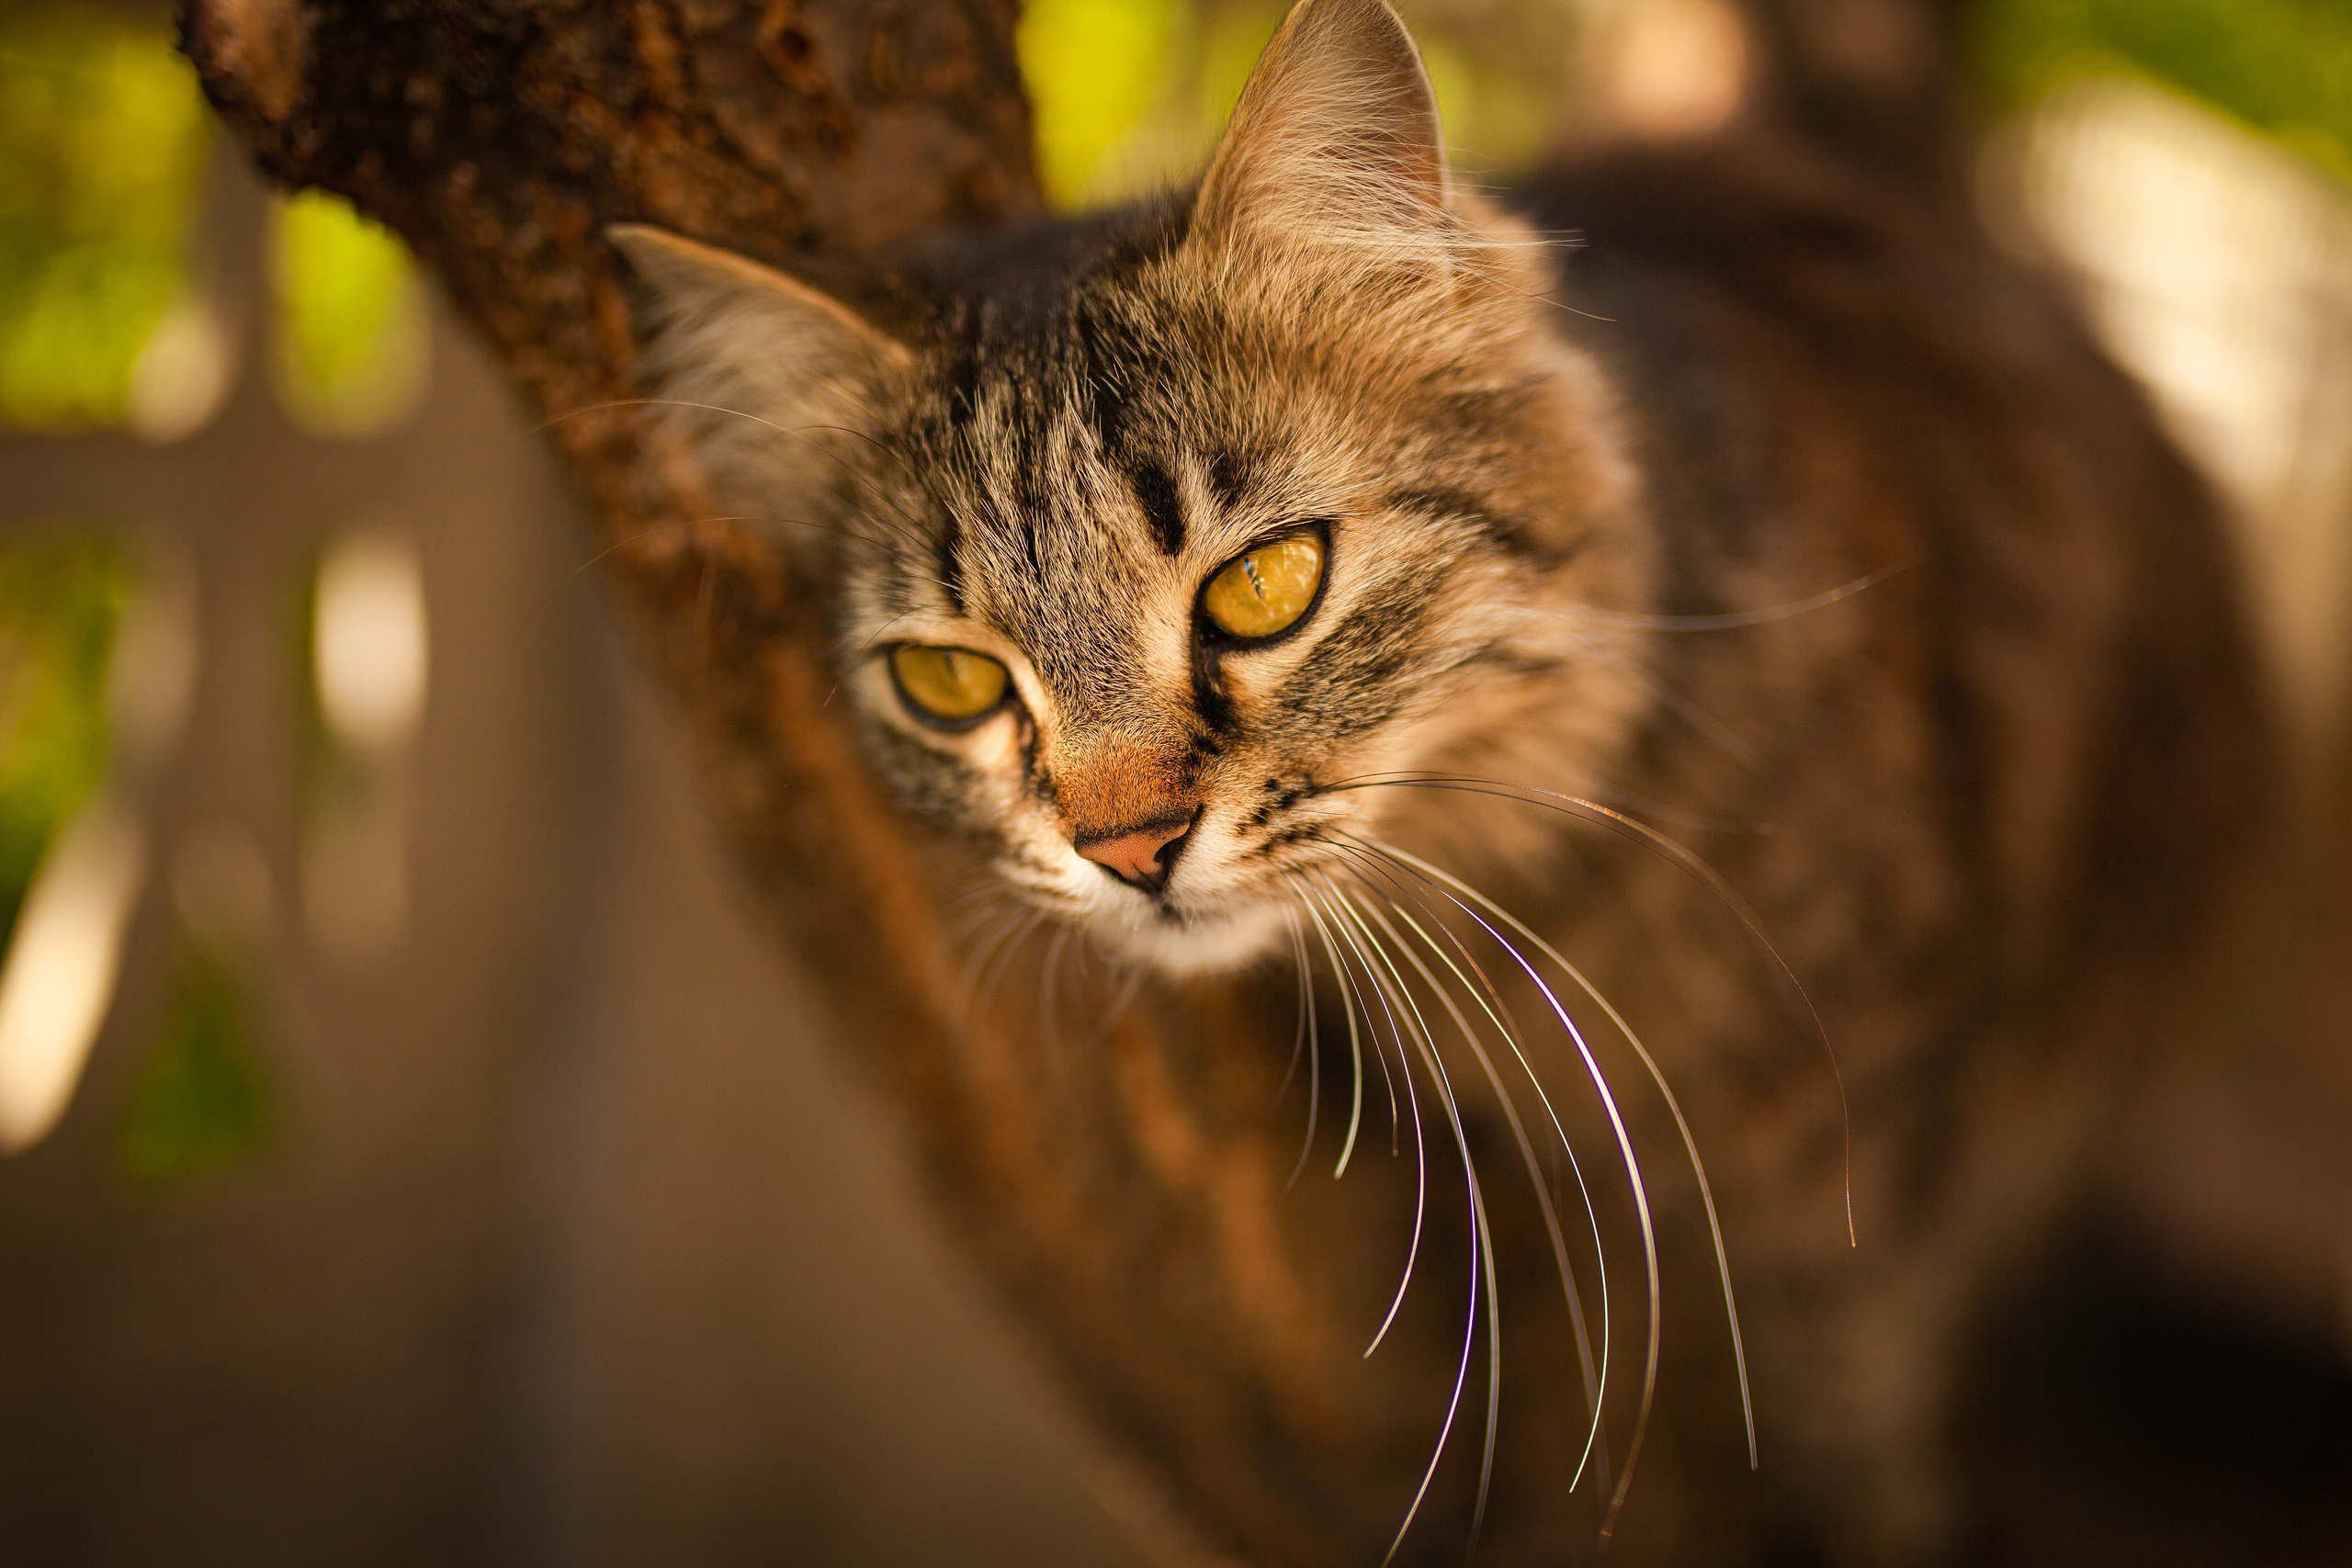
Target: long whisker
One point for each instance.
(1706, 725)
(982, 952)
(1692, 866)
(1595, 1385)
(1048, 996)
(1734, 619)
(1682, 1125)
(1355, 1046)
(1534, 1175)
(1420, 1160)
(1482, 1243)
(1674, 1105)
(787, 432)
(1314, 1061)
(1611, 792)
(1002, 962)
(857, 655)
(1298, 1045)
(768, 519)
(1641, 1208)
(1125, 999)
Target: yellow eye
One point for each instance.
(1265, 590)
(947, 686)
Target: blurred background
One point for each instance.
(410, 1147)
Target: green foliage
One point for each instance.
(200, 1104)
(1232, 37)
(347, 332)
(61, 597)
(1131, 93)
(2283, 67)
(1095, 69)
(102, 141)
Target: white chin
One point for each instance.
(1201, 946)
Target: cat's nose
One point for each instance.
(1138, 857)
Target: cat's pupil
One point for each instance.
(1267, 588)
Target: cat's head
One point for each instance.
(1159, 539)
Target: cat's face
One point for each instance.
(1157, 563)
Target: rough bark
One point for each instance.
(1125, 1186)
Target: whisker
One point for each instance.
(887, 502)
(1124, 998)
(1048, 995)
(1004, 957)
(1482, 1242)
(1298, 1045)
(1420, 1160)
(1614, 794)
(880, 446)
(765, 518)
(1689, 864)
(1349, 1003)
(1640, 1207)
(1315, 1063)
(1681, 1123)
(1534, 1173)
(857, 655)
(1595, 1385)
(891, 512)
(1707, 726)
(980, 952)
(1734, 619)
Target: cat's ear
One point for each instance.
(759, 351)
(1335, 142)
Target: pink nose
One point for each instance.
(1138, 857)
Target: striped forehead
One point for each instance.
(1054, 546)
(1045, 535)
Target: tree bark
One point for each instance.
(1125, 1182)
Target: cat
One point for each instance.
(1748, 702)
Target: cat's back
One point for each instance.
(1830, 377)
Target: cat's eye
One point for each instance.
(950, 686)
(1264, 590)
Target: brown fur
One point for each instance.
(1984, 808)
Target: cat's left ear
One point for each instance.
(1335, 141)
(773, 353)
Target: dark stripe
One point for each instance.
(1513, 534)
(1156, 489)
(1232, 476)
(1209, 696)
(951, 565)
(962, 384)
(1108, 353)
(1033, 506)
(1492, 657)
(1029, 545)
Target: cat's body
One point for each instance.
(1989, 808)
(1781, 517)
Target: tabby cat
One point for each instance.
(1724, 728)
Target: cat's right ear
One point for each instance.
(748, 355)
(1335, 143)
